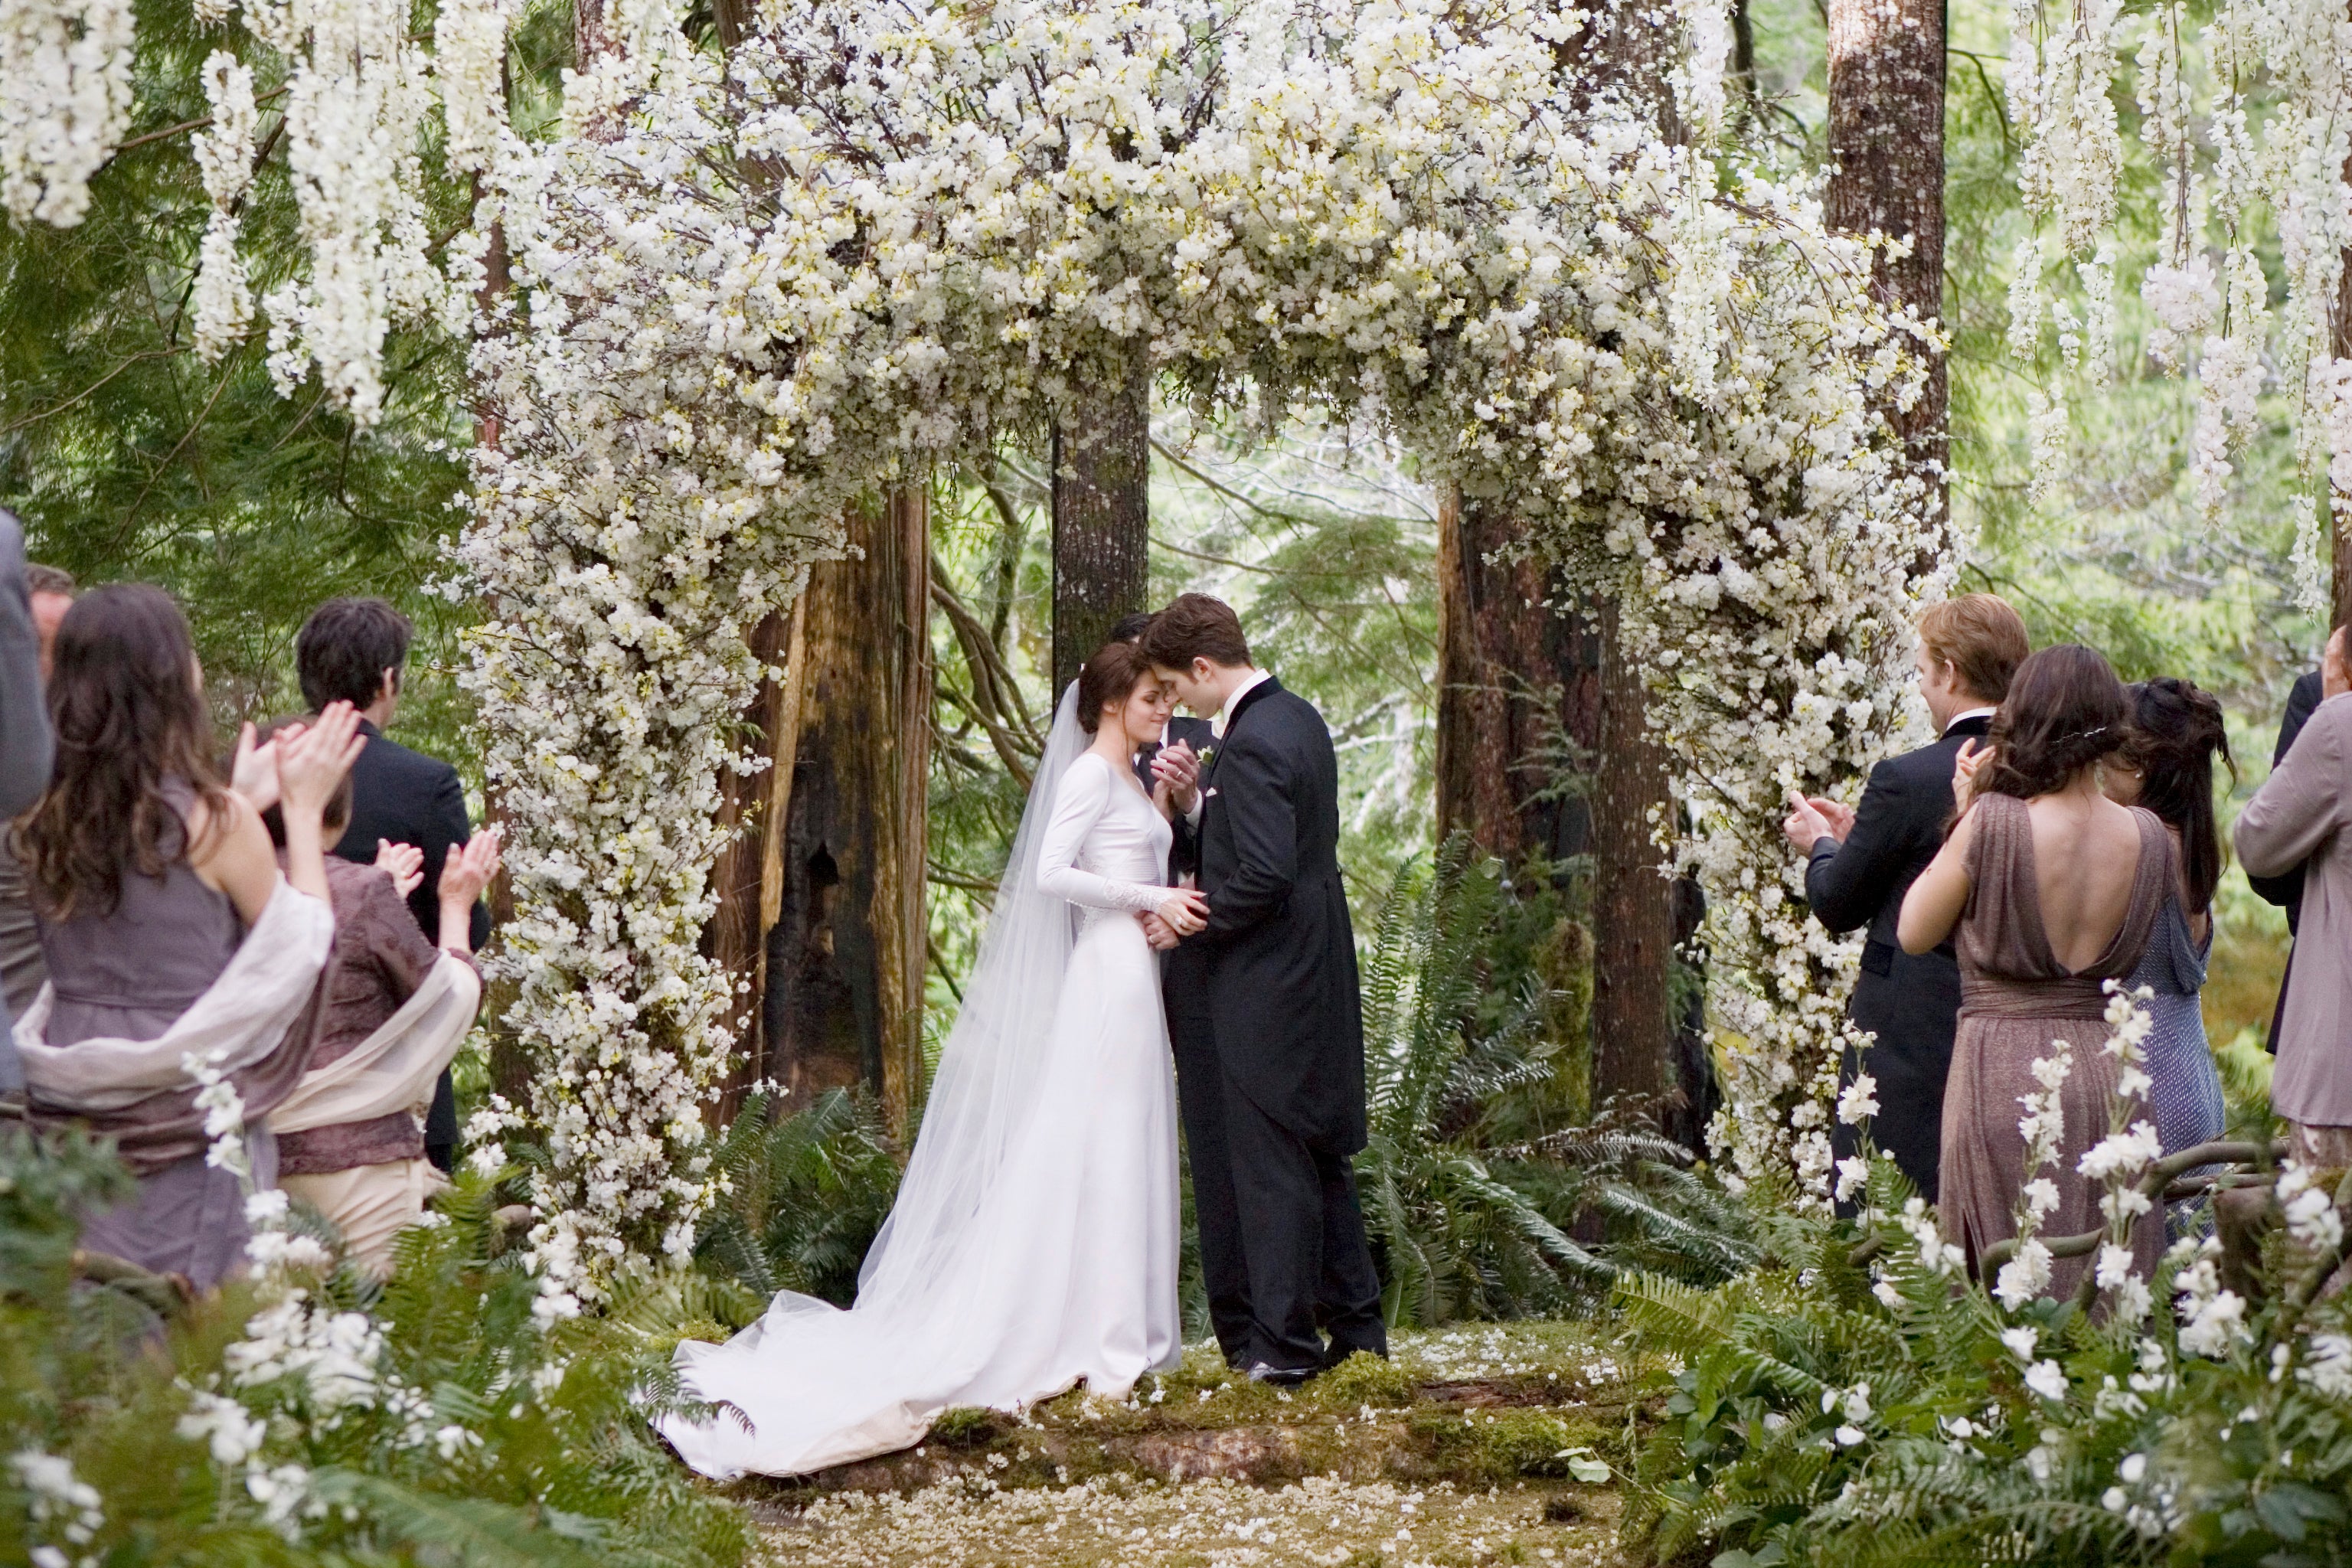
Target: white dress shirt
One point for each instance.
(1986, 712)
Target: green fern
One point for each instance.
(1483, 1199)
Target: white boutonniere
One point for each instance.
(1206, 754)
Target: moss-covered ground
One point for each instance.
(1492, 1444)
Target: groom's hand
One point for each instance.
(1178, 767)
(1156, 931)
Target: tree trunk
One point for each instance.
(1508, 682)
(1886, 174)
(752, 803)
(1523, 692)
(1102, 520)
(843, 1001)
(1632, 911)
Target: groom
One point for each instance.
(1265, 1015)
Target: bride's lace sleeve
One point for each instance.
(1085, 797)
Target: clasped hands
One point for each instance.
(1182, 913)
(1177, 770)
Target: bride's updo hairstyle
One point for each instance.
(2065, 710)
(1111, 674)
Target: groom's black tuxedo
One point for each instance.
(1267, 1025)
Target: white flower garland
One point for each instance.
(894, 234)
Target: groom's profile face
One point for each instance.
(1190, 687)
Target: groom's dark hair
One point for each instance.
(1195, 627)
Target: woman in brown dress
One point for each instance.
(2053, 890)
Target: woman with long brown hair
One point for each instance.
(2166, 766)
(147, 874)
(2048, 889)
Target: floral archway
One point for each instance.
(884, 237)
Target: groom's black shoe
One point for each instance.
(1282, 1377)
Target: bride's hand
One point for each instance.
(1184, 911)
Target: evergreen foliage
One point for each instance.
(1485, 1195)
(805, 1194)
(477, 1432)
(1845, 1404)
(129, 458)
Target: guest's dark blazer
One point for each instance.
(26, 747)
(407, 797)
(1277, 960)
(1911, 1005)
(2286, 888)
(1183, 852)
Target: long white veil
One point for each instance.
(989, 1065)
(818, 1386)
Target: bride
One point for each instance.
(1035, 1239)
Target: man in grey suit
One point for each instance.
(26, 747)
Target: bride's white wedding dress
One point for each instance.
(1035, 1239)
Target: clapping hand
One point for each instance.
(311, 763)
(2335, 666)
(1811, 821)
(469, 868)
(253, 773)
(404, 863)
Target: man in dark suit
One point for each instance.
(1266, 1017)
(2287, 889)
(352, 651)
(1863, 860)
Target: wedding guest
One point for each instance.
(370, 1178)
(1863, 859)
(26, 754)
(147, 877)
(2166, 765)
(355, 650)
(2048, 889)
(2297, 820)
(2286, 890)
(49, 592)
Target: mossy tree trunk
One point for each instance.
(1543, 751)
(1886, 176)
(845, 952)
(1102, 518)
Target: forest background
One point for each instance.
(128, 459)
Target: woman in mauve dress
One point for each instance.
(2048, 889)
(145, 874)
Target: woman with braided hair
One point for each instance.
(2166, 765)
(2048, 889)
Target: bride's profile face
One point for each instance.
(1145, 712)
